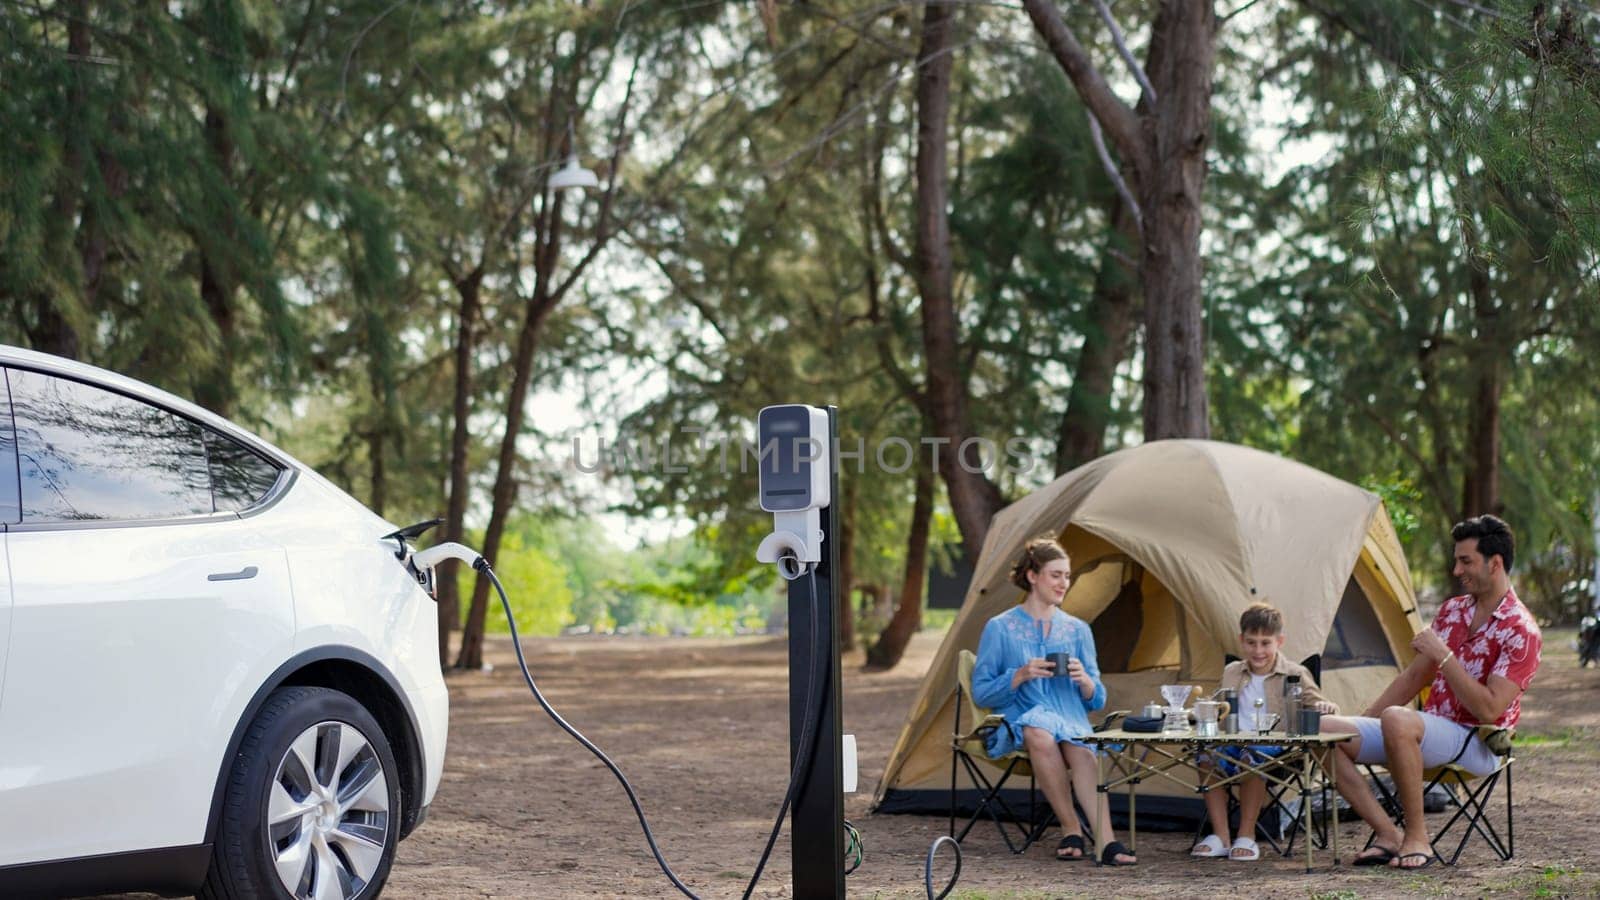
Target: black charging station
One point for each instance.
(799, 482)
(816, 825)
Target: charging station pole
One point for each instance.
(816, 825)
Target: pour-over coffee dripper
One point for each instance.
(1176, 719)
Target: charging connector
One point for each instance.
(427, 559)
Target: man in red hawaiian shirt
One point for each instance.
(1479, 657)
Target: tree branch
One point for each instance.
(1115, 174)
(1115, 116)
(1122, 49)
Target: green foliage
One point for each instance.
(1427, 277)
(279, 209)
(562, 572)
(1403, 500)
(537, 587)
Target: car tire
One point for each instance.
(313, 790)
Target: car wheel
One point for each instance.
(312, 807)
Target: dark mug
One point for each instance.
(1060, 661)
(1310, 721)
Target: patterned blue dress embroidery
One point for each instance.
(1053, 704)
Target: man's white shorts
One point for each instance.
(1441, 741)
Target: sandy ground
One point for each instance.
(700, 728)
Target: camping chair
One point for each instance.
(1472, 802)
(968, 750)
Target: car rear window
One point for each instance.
(240, 478)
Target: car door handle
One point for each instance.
(241, 575)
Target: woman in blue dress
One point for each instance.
(1045, 714)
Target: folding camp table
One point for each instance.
(1305, 765)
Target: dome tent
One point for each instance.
(1170, 542)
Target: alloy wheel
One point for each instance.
(327, 816)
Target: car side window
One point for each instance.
(85, 453)
(10, 491)
(240, 478)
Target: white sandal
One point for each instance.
(1209, 848)
(1245, 850)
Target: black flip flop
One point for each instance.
(1108, 856)
(1429, 858)
(1072, 842)
(1381, 859)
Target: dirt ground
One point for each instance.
(699, 727)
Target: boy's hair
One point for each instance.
(1494, 537)
(1262, 618)
(1039, 551)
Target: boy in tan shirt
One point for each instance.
(1262, 674)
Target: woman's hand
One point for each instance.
(1326, 708)
(1080, 677)
(1033, 668)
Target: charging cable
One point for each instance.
(927, 869)
(808, 732)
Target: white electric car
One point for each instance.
(218, 672)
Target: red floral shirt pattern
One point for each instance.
(1508, 645)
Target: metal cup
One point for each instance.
(1153, 710)
(1310, 721)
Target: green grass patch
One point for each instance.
(1563, 881)
(1552, 881)
(1560, 737)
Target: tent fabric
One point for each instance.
(1197, 531)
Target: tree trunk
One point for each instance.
(214, 388)
(1170, 195)
(49, 331)
(974, 499)
(379, 480)
(93, 242)
(1082, 435)
(1481, 480)
(470, 290)
(907, 618)
(1163, 145)
(505, 480)
(1481, 483)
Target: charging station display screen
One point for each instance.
(786, 452)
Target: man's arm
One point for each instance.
(1405, 687)
(1486, 702)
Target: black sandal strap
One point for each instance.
(1072, 842)
(1108, 856)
